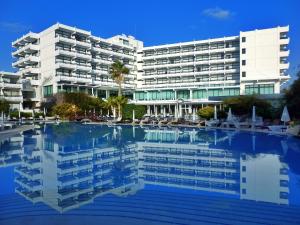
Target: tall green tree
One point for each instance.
(292, 98)
(117, 71)
(4, 106)
(242, 105)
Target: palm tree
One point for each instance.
(117, 71)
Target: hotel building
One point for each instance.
(11, 89)
(67, 59)
(64, 58)
(204, 72)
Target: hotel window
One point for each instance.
(244, 179)
(259, 89)
(243, 51)
(284, 183)
(183, 94)
(243, 62)
(244, 168)
(48, 90)
(244, 191)
(284, 195)
(243, 39)
(243, 74)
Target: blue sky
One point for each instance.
(154, 21)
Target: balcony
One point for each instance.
(27, 49)
(84, 67)
(84, 44)
(284, 53)
(28, 38)
(13, 98)
(65, 52)
(74, 78)
(68, 65)
(83, 55)
(12, 85)
(30, 70)
(28, 60)
(65, 40)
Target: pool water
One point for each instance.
(92, 174)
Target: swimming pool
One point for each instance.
(92, 174)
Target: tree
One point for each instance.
(117, 71)
(65, 110)
(116, 102)
(292, 98)
(206, 112)
(4, 106)
(242, 105)
(140, 111)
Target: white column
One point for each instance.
(180, 111)
(148, 109)
(107, 93)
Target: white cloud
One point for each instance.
(13, 27)
(217, 13)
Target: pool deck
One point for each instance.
(11, 132)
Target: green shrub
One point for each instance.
(206, 112)
(26, 114)
(140, 111)
(14, 114)
(38, 114)
(65, 110)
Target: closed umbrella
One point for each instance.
(164, 111)
(44, 111)
(229, 116)
(215, 113)
(194, 115)
(285, 117)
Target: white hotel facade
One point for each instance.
(64, 58)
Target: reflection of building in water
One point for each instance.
(187, 160)
(66, 177)
(169, 162)
(28, 177)
(264, 178)
(11, 150)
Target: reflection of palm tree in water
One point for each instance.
(119, 172)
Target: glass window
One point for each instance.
(48, 90)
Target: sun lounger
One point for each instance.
(212, 123)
